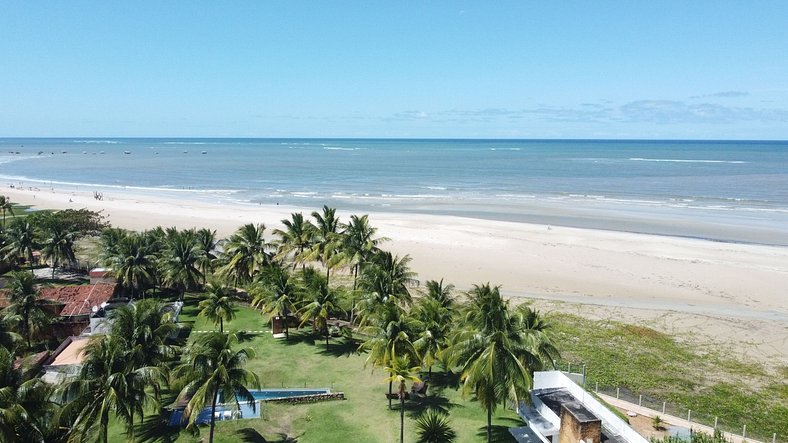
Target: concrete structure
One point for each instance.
(66, 361)
(560, 411)
(101, 275)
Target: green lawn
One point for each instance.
(364, 415)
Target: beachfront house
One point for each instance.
(560, 411)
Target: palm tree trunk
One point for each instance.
(489, 424)
(390, 392)
(221, 325)
(402, 412)
(328, 274)
(213, 416)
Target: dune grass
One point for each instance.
(710, 382)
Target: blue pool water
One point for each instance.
(243, 409)
(267, 394)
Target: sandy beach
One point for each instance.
(699, 290)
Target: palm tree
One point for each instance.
(6, 205)
(295, 239)
(218, 304)
(212, 367)
(319, 309)
(25, 305)
(385, 278)
(327, 240)
(276, 294)
(402, 372)
(58, 245)
(245, 252)
(25, 408)
(206, 245)
(146, 328)
(436, 322)
(108, 383)
(359, 243)
(440, 292)
(391, 333)
(20, 242)
(180, 262)
(432, 426)
(133, 262)
(8, 337)
(494, 351)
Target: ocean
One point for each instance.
(732, 191)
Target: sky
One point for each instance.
(405, 69)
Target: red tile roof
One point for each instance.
(79, 300)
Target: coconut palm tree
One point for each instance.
(275, 293)
(25, 305)
(108, 384)
(385, 278)
(432, 426)
(133, 262)
(58, 245)
(436, 322)
(318, 310)
(245, 253)
(391, 333)
(6, 206)
(218, 304)
(206, 245)
(213, 367)
(327, 240)
(25, 406)
(359, 243)
(494, 351)
(181, 262)
(295, 239)
(440, 292)
(8, 337)
(20, 242)
(146, 328)
(401, 372)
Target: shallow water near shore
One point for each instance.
(735, 191)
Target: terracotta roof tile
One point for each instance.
(79, 300)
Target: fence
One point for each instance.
(577, 372)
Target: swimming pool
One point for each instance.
(271, 394)
(233, 410)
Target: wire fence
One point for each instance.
(577, 372)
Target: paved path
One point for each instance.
(642, 410)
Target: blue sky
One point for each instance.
(586, 69)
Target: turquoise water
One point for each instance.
(722, 190)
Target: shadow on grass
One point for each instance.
(154, 428)
(443, 380)
(251, 435)
(297, 337)
(500, 433)
(416, 407)
(342, 348)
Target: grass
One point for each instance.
(303, 361)
(654, 364)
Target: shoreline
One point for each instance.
(643, 278)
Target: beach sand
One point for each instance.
(730, 294)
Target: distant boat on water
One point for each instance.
(125, 152)
(204, 152)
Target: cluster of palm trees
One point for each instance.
(401, 325)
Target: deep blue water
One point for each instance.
(694, 188)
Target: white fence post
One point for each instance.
(617, 392)
(596, 389)
(663, 408)
(689, 415)
(640, 400)
(715, 422)
(744, 432)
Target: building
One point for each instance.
(66, 361)
(560, 411)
